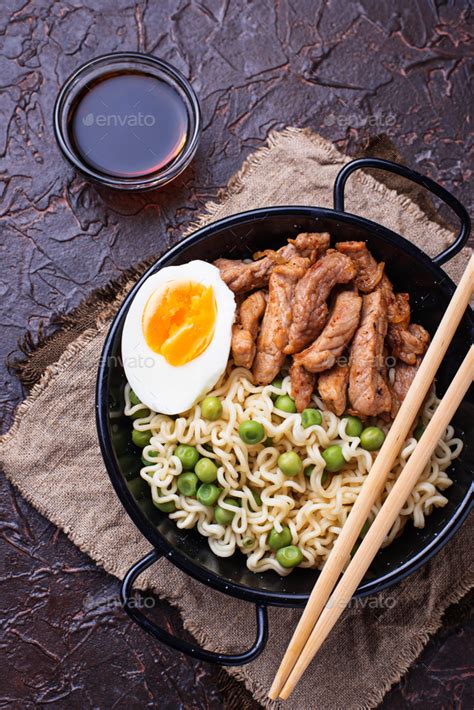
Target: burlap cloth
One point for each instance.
(52, 456)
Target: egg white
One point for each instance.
(161, 386)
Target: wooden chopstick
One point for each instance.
(386, 517)
(377, 475)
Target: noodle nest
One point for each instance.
(314, 507)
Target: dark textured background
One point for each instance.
(367, 75)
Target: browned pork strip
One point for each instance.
(368, 391)
(251, 311)
(309, 309)
(273, 335)
(337, 333)
(243, 347)
(244, 332)
(406, 341)
(332, 386)
(302, 385)
(369, 271)
(241, 276)
(311, 244)
(404, 376)
(398, 304)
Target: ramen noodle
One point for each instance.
(313, 507)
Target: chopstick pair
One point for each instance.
(306, 641)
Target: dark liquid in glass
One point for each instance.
(128, 125)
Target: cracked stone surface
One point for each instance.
(359, 73)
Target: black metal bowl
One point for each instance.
(239, 236)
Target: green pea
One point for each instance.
(290, 463)
(248, 542)
(168, 507)
(206, 470)
(333, 458)
(418, 431)
(324, 478)
(372, 438)
(223, 516)
(140, 413)
(276, 540)
(251, 432)
(211, 408)
(152, 455)
(308, 470)
(310, 417)
(141, 438)
(285, 404)
(187, 483)
(256, 497)
(134, 399)
(289, 556)
(354, 426)
(208, 493)
(188, 455)
(278, 384)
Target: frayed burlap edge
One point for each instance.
(210, 210)
(400, 665)
(275, 138)
(65, 326)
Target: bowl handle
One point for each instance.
(190, 649)
(412, 175)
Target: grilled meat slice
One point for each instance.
(243, 347)
(408, 344)
(273, 336)
(310, 245)
(406, 340)
(332, 386)
(404, 376)
(369, 271)
(337, 333)
(369, 394)
(398, 305)
(302, 385)
(251, 311)
(241, 276)
(309, 309)
(244, 332)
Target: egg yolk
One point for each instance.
(178, 321)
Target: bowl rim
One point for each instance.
(147, 182)
(212, 579)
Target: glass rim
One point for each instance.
(147, 182)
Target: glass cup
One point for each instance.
(83, 80)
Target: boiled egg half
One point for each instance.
(176, 337)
